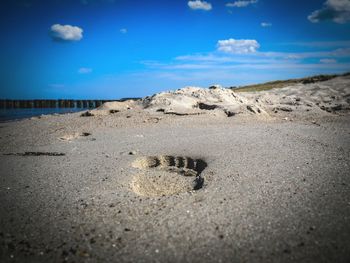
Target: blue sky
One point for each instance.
(120, 48)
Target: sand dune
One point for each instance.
(328, 96)
(318, 98)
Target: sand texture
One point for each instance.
(192, 175)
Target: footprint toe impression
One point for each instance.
(167, 175)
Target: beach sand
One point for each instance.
(194, 175)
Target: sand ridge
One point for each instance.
(313, 99)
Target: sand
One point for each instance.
(193, 175)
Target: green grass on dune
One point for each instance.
(285, 83)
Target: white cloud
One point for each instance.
(215, 57)
(123, 30)
(238, 46)
(337, 53)
(324, 44)
(337, 11)
(328, 61)
(266, 24)
(84, 70)
(199, 5)
(242, 3)
(66, 32)
(292, 56)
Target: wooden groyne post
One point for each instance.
(61, 103)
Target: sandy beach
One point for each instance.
(193, 175)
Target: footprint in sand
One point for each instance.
(167, 175)
(73, 136)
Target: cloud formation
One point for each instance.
(199, 5)
(238, 46)
(266, 24)
(84, 70)
(328, 61)
(235, 68)
(337, 11)
(123, 30)
(66, 32)
(241, 3)
(318, 44)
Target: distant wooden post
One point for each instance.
(91, 104)
(79, 103)
(36, 104)
(16, 104)
(48, 103)
(31, 104)
(61, 103)
(98, 103)
(23, 104)
(52, 103)
(85, 104)
(9, 104)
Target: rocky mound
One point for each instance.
(194, 100)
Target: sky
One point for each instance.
(110, 49)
